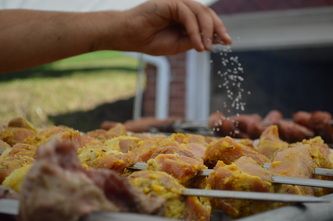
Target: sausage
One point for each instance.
(273, 117)
(302, 118)
(293, 132)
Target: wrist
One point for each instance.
(107, 30)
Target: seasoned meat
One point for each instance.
(16, 157)
(198, 209)
(58, 174)
(21, 123)
(156, 183)
(243, 175)
(14, 135)
(3, 146)
(320, 152)
(181, 167)
(15, 179)
(228, 150)
(295, 161)
(302, 118)
(55, 176)
(103, 156)
(270, 142)
(120, 192)
(293, 132)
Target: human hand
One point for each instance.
(163, 27)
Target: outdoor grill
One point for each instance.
(234, 133)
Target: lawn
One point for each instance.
(76, 84)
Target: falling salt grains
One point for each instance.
(232, 79)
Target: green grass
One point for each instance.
(75, 84)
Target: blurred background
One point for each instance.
(285, 48)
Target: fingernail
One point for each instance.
(228, 37)
(202, 47)
(208, 43)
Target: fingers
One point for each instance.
(209, 23)
(205, 21)
(187, 17)
(220, 30)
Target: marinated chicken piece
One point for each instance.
(295, 161)
(58, 174)
(181, 167)
(157, 183)
(320, 152)
(14, 135)
(116, 131)
(178, 149)
(21, 155)
(251, 167)
(228, 150)
(190, 148)
(198, 150)
(53, 130)
(270, 142)
(16, 157)
(103, 156)
(188, 138)
(15, 179)
(54, 177)
(243, 175)
(121, 193)
(196, 144)
(99, 134)
(18, 130)
(149, 147)
(123, 144)
(3, 146)
(21, 123)
(198, 209)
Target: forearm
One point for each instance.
(29, 38)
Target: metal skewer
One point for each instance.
(10, 206)
(274, 179)
(316, 171)
(260, 196)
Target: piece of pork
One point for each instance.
(157, 183)
(183, 168)
(270, 142)
(245, 174)
(228, 150)
(58, 188)
(295, 161)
